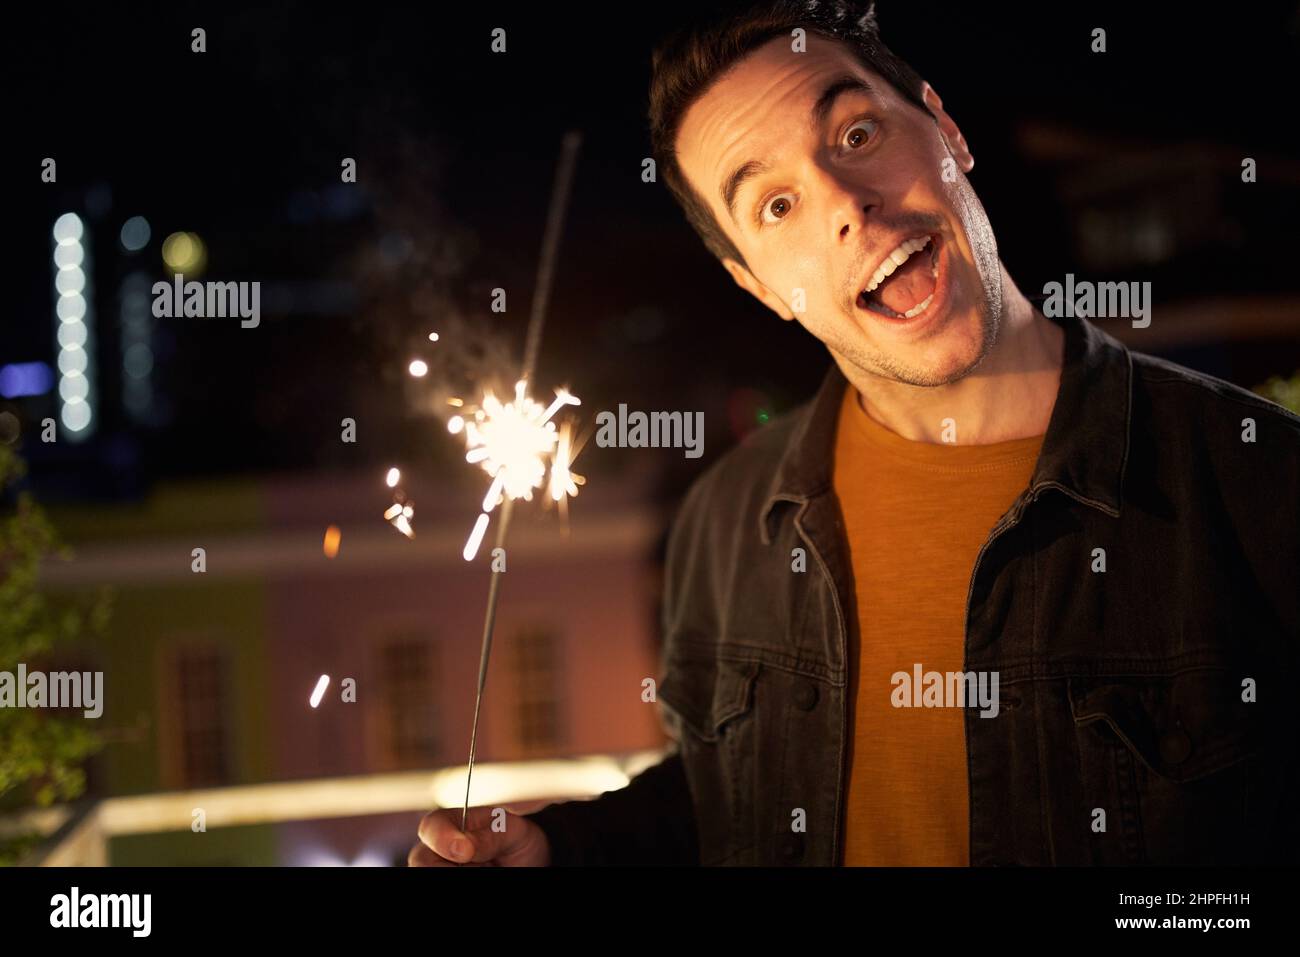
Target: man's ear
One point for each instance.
(746, 281)
(952, 137)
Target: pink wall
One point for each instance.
(596, 588)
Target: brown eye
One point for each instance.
(859, 133)
(776, 209)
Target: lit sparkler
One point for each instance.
(546, 267)
(516, 443)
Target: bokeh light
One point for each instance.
(184, 253)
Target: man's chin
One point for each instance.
(932, 377)
(942, 360)
(957, 370)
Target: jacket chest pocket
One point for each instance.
(708, 705)
(1168, 758)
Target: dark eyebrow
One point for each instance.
(731, 186)
(826, 102)
(739, 175)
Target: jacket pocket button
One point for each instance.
(805, 696)
(1175, 747)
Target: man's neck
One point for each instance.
(1009, 396)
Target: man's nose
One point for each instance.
(851, 207)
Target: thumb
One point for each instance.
(485, 844)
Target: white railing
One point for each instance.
(77, 835)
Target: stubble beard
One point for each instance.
(886, 367)
(989, 307)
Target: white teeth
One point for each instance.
(895, 259)
(886, 268)
(919, 307)
(916, 310)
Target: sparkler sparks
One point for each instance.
(564, 482)
(400, 516)
(400, 513)
(319, 692)
(516, 443)
(331, 543)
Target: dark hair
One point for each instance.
(688, 61)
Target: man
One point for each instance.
(1003, 592)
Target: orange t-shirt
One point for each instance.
(916, 515)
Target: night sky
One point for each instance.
(456, 150)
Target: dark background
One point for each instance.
(456, 150)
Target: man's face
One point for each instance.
(837, 184)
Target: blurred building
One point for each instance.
(1192, 217)
(208, 674)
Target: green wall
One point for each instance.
(253, 845)
(230, 614)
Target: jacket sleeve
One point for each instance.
(651, 821)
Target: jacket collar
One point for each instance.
(1084, 451)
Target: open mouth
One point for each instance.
(904, 284)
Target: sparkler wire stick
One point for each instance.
(546, 269)
(550, 243)
(488, 624)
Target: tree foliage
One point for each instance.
(41, 752)
(1285, 392)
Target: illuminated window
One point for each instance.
(201, 687)
(408, 670)
(536, 671)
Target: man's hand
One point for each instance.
(442, 844)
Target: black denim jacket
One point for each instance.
(1147, 714)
